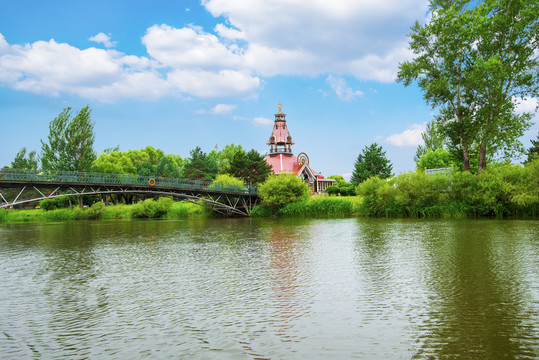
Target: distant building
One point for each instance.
(281, 158)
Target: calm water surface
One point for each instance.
(270, 289)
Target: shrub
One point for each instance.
(282, 189)
(95, 210)
(47, 204)
(226, 182)
(150, 208)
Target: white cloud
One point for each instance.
(359, 38)
(225, 83)
(526, 105)
(344, 92)
(104, 39)
(189, 47)
(262, 121)
(219, 109)
(410, 137)
(363, 38)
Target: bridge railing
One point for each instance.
(91, 178)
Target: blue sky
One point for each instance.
(181, 74)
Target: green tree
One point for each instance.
(371, 162)
(282, 189)
(250, 167)
(433, 139)
(228, 179)
(433, 159)
(200, 166)
(70, 144)
(533, 152)
(473, 58)
(21, 161)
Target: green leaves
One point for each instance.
(282, 189)
(70, 142)
(473, 58)
(370, 163)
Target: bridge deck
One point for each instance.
(15, 178)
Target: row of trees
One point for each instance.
(70, 147)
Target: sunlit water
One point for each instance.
(272, 288)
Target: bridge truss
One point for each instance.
(37, 185)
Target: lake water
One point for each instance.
(354, 288)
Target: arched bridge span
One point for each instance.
(223, 198)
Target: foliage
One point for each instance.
(23, 162)
(54, 203)
(70, 142)
(473, 59)
(282, 189)
(227, 179)
(338, 178)
(200, 166)
(433, 159)
(501, 190)
(250, 167)
(224, 157)
(372, 162)
(533, 151)
(95, 211)
(318, 207)
(150, 208)
(146, 162)
(433, 139)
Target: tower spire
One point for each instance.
(280, 141)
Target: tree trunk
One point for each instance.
(465, 157)
(482, 158)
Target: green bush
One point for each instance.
(3, 214)
(318, 207)
(95, 211)
(501, 190)
(282, 189)
(150, 208)
(47, 204)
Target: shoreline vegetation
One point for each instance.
(502, 191)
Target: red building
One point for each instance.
(281, 158)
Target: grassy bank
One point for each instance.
(147, 209)
(315, 206)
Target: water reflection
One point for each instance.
(270, 289)
(480, 292)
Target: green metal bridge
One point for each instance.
(226, 199)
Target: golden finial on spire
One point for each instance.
(280, 107)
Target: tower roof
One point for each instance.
(280, 136)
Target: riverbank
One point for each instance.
(174, 210)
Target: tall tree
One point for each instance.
(200, 166)
(249, 166)
(371, 162)
(473, 59)
(533, 152)
(21, 161)
(433, 139)
(71, 142)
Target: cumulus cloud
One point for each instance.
(359, 38)
(410, 137)
(344, 92)
(213, 84)
(219, 109)
(104, 39)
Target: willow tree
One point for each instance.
(474, 59)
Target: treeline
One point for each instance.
(70, 147)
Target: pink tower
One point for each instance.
(280, 156)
